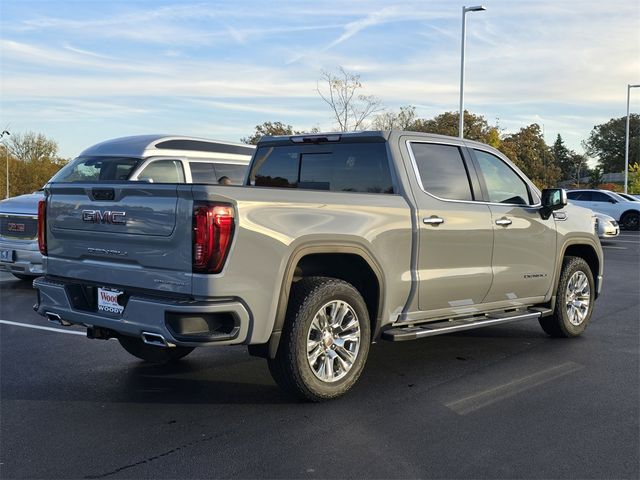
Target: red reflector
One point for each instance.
(213, 226)
(42, 226)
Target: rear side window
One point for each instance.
(202, 172)
(235, 173)
(600, 197)
(442, 170)
(97, 169)
(348, 167)
(583, 196)
(163, 171)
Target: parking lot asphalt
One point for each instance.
(499, 402)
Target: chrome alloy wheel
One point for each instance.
(578, 298)
(333, 341)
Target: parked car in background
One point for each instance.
(144, 158)
(19, 252)
(631, 198)
(625, 212)
(607, 226)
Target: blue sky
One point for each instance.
(84, 71)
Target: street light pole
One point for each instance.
(6, 157)
(477, 8)
(626, 141)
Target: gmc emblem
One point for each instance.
(98, 216)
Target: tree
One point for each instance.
(634, 178)
(528, 150)
(595, 176)
(350, 109)
(476, 127)
(401, 120)
(606, 142)
(268, 128)
(577, 166)
(33, 160)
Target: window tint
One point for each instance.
(96, 169)
(349, 167)
(503, 184)
(235, 173)
(163, 171)
(442, 170)
(600, 197)
(580, 196)
(202, 172)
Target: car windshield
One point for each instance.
(97, 169)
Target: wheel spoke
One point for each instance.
(314, 354)
(345, 354)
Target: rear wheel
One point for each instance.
(325, 341)
(630, 220)
(151, 353)
(574, 300)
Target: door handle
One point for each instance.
(433, 220)
(503, 222)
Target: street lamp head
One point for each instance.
(477, 8)
(5, 132)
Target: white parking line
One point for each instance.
(38, 327)
(615, 248)
(622, 241)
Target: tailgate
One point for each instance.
(121, 234)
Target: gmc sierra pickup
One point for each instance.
(334, 241)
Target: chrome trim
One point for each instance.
(433, 220)
(416, 171)
(23, 215)
(503, 221)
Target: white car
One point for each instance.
(607, 226)
(625, 212)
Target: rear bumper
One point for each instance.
(145, 315)
(27, 259)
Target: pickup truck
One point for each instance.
(333, 242)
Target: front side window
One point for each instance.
(442, 170)
(503, 184)
(349, 167)
(96, 169)
(163, 171)
(601, 197)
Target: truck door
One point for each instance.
(455, 233)
(524, 245)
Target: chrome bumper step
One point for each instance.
(441, 327)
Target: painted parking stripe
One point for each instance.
(38, 327)
(482, 399)
(614, 248)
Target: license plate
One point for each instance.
(6, 255)
(108, 301)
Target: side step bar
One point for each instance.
(441, 327)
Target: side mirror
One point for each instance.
(552, 199)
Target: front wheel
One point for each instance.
(631, 220)
(574, 300)
(151, 353)
(325, 341)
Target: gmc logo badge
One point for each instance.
(98, 216)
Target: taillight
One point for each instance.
(213, 226)
(42, 226)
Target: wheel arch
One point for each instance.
(585, 251)
(348, 262)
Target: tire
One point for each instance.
(23, 277)
(340, 348)
(630, 220)
(151, 353)
(575, 289)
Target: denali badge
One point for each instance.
(98, 216)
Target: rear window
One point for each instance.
(351, 167)
(96, 169)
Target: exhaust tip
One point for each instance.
(57, 319)
(154, 339)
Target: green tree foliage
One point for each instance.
(476, 127)
(606, 143)
(634, 179)
(571, 164)
(528, 150)
(595, 176)
(33, 160)
(267, 129)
